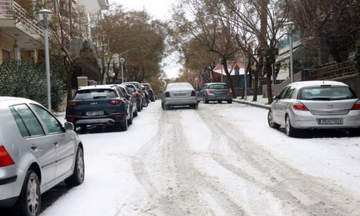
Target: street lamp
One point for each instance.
(45, 18)
(290, 26)
(122, 61)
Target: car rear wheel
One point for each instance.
(205, 100)
(271, 122)
(29, 201)
(229, 101)
(135, 114)
(219, 101)
(130, 121)
(79, 170)
(290, 131)
(124, 125)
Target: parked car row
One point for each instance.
(113, 105)
(37, 152)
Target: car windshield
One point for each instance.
(94, 94)
(218, 86)
(326, 93)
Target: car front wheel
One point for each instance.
(79, 170)
(29, 202)
(271, 122)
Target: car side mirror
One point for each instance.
(127, 97)
(69, 126)
(276, 97)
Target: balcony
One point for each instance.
(16, 22)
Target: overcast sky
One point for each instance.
(158, 9)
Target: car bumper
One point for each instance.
(305, 120)
(11, 182)
(180, 101)
(212, 97)
(109, 120)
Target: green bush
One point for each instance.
(28, 80)
(357, 56)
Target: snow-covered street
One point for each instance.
(221, 159)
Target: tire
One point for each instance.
(205, 100)
(130, 121)
(290, 131)
(195, 106)
(78, 175)
(138, 107)
(124, 125)
(229, 101)
(271, 122)
(29, 201)
(163, 106)
(135, 114)
(219, 101)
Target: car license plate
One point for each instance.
(330, 121)
(181, 94)
(94, 113)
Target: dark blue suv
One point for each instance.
(99, 105)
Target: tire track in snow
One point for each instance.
(307, 194)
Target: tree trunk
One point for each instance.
(229, 78)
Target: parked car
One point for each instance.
(141, 92)
(37, 152)
(146, 93)
(99, 105)
(126, 91)
(137, 94)
(215, 92)
(315, 105)
(150, 90)
(179, 94)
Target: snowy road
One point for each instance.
(221, 159)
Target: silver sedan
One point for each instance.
(179, 94)
(315, 105)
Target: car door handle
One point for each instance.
(33, 147)
(56, 143)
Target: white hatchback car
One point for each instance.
(315, 105)
(36, 153)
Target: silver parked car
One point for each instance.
(179, 94)
(315, 105)
(215, 92)
(36, 153)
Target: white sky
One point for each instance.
(158, 9)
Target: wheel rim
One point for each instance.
(270, 119)
(80, 164)
(33, 195)
(287, 125)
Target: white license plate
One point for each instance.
(183, 94)
(95, 113)
(330, 121)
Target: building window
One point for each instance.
(6, 55)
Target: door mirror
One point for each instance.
(69, 126)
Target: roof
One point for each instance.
(231, 65)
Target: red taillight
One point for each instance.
(167, 94)
(193, 93)
(136, 95)
(299, 106)
(150, 90)
(73, 104)
(5, 159)
(71, 117)
(118, 115)
(356, 106)
(230, 91)
(209, 91)
(114, 102)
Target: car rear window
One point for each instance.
(94, 94)
(326, 93)
(218, 86)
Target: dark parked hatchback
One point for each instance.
(99, 105)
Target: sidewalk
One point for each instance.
(261, 102)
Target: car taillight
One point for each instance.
(136, 95)
(5, 159)
(230, 91)
(356, 106)
(167, 94)
(73, 104)
(193, 93)
(114, 102)
(209, 91)
(299, 106)
(150, 90)
(71, 118)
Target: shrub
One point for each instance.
(28, 80)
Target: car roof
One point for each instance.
(96, 87)
(8, 100)
(216, 83)
(301, 84)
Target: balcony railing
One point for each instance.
(12, 10)
(334, 71)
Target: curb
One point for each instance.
(252, 104)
